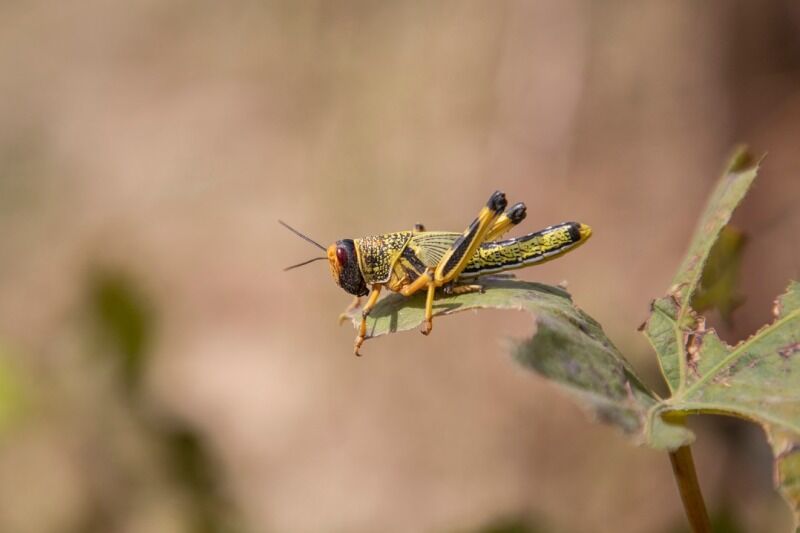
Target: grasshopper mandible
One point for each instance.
(410, 261)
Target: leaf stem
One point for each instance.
(686, 478)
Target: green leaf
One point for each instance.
(718, 284)
(759, 378)
(123, 321)
(568, 347)
(396, 313)
(666, 331)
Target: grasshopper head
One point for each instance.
(344, 267)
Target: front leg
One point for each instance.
(344, 315)
(362, 330)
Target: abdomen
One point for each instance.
(537, 247)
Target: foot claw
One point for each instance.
(359, 341)
(427, 326)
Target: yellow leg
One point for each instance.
(362, 330)
(456, 258)
(424, 281)
(344, 316)
(515, 214)
(427, 326)
(417, 284)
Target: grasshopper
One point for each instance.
(410, 261)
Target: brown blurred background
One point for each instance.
(159, 372)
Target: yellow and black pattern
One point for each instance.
(537, 247)
(425, 250)
(466, 245)
(410, 262)
(377, 254)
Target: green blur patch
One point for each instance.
(123, 321)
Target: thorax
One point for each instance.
(377, 254)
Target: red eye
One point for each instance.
(341, 256)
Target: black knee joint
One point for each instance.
(497, 202)
(517, 213)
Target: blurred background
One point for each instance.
(160, 373)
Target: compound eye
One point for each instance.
(341, 256)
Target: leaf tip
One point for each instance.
(742, 160)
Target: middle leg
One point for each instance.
(456, 258)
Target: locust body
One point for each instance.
(410, 261)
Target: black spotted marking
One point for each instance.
(378, 253)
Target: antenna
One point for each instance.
(304, 263)
(305, 238)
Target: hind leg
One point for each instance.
(456, 258)
(513, 216)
